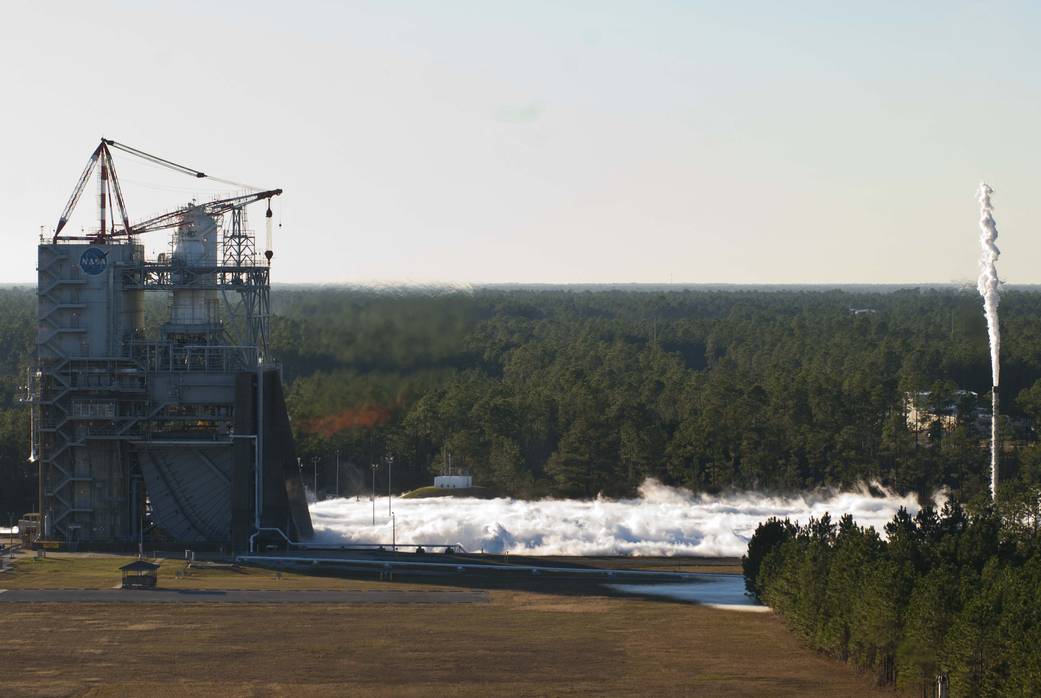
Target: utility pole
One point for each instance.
(375, 466)
(390, 471)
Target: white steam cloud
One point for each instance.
(988, 283)
(988, 286)
(662, 521)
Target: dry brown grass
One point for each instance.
(519, 644)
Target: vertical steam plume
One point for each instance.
(988, 287)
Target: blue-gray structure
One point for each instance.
(179, 435)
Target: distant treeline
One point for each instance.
(573, 393)
(956, 592)
(17, 345)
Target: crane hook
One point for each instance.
(267, 216)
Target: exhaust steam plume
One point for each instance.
(662, 521)
(988, 286)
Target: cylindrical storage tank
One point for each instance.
(195, 245)
(132, 315)
(133, 320)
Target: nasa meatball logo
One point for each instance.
(93, 261)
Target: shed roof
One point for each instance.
(139, 566)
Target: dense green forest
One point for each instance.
(956, 592)
(578, 392)
(17, 344)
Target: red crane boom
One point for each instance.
(109, 184)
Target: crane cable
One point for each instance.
(183, 169)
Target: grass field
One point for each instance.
(731, 565)
(72, 571)
(431, 491)
(521, 643)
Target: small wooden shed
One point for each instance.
(140, 574)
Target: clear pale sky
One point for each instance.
(473, 142)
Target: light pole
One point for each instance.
(375, 466)
(337, 472)
(393, 533)
(314, 462)
(390, 471)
